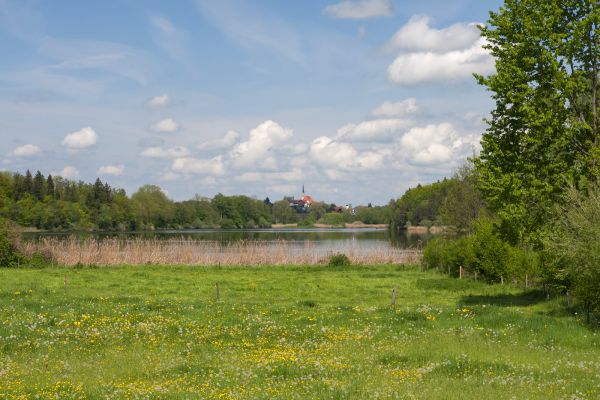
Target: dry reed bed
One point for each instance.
(75, 251)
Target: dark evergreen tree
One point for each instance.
(50, 186)
(38, 189)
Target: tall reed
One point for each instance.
(73, 251)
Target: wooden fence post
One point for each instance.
(394, 296)
(526, 281)
(460, 272)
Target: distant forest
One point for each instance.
(54, 203)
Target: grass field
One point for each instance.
(285, 332)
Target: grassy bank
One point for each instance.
(285, 332)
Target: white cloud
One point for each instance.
(195, 166)
(359, 9)
(435, 144)
(68, 172)
(379, 129)
(159, 152)
(171, 39)
(294, 149)
(283, 189)
(294, 175)
(417, 35)
(170, 176)
(397, 109)
(260, 144)
(343, 156)
(166, 125)
(159, 101)
(82, 139)
(111, 170)
(28, 150)
(430, 67)
(225, 142)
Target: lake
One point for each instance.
(329, 237)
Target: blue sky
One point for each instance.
(357, 99)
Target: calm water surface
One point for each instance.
(330, 239)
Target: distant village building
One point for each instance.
(301, 205)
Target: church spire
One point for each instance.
(303, 189)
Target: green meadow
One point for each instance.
(315, 332)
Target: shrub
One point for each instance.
(448, 254)
(9, 255)
(490, 255)
(339, 260)
(574, 247)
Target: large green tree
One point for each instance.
(543, 132)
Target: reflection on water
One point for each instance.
(331, 238)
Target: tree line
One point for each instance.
(54, 203)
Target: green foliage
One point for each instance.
(456, 202)
(334, 218)
(419, 204)
(463, 202)
(575, 247)
(545, 127)
(490, 255)
(9, 255)
(54, 203)
(339, 260)
(484, 252)
(447, 254)
(372, 215)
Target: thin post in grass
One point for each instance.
(501, 280)
(217, 291)
(460, 272)
(65, 282)
(394, 296)
(526, 281)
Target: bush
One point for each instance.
(332, 219)
(339, 260)
(490, 255)
(574, 248)
(448, 254)
(9, 255)
(483, 251)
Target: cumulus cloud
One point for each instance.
(68, 172)
(283, 189)
(226, 141)
(360, 9)
(159, 101)
(417, 35)
(28, 150)
(294, 149)
(328, 152)
(294, 175)
(435, 144)
(159, 152)
(260, 144)
(195, 166)
(111, 170)
(430, 67)
(82, 139)
(397, 109)
(379, 129)
(165, 126)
